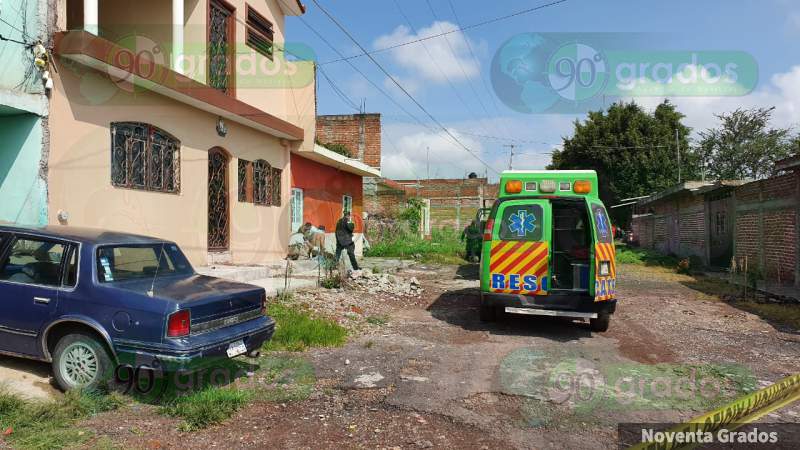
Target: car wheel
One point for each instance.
(80, 361)
(487, 312)
(601, 323)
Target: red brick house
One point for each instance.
(325, 183)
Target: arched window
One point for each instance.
(144, 157)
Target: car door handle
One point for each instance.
(41, 300)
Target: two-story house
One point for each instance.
(177, 118)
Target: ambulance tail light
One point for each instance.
(513, 187)
(547, 186)
(487, 230)
(582, 187)
(604, 269)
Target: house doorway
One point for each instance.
(218, 200)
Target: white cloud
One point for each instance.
(435, 59)
(782, 92)
(405, 146)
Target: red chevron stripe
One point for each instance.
(498, 247)
(533, 249)
(507, 254)
(534, 262)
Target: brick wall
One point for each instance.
(360, 133)
(766, 227)
(676, 225)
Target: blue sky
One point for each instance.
(457, 89)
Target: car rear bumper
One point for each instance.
(196, 352)
(554, 301)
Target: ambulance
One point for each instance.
(548, 249)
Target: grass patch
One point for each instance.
(207, 407)
(444, 245)
(644, 257)
(717, 289)
(37, 424)
(378, 320)
(297, 330)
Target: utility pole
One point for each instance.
(510, 156)
(678, 148)
(428, 163)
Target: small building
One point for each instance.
(325, 182)
(24, 110)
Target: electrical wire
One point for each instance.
(400, 86)
(468, 27)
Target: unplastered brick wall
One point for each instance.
(766, 227)
(692, 233)
(360, 133)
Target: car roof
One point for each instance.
(90, 236)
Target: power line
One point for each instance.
(400, 86)
(468, 27)
(436, 63)
(483, 79)
(458, 61)
(338, 91)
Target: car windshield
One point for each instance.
(129, 262)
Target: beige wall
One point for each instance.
(83, 104)
(284, 89)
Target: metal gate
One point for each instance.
(218, 200)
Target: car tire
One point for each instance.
(487, 312)
(600, 324)
(81, 361)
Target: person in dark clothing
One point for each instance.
(344, 239)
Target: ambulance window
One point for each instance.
(602, 225)
(522, 223)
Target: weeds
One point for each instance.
(297, 330)
(37, 424)
(444, 244)
(378, 320)
(206, 407)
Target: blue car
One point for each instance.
(92, 301)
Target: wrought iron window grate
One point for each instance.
(144, 157)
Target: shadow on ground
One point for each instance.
(460, 308)
(468, 271)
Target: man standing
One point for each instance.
(344, 239)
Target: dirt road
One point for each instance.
(434, 376)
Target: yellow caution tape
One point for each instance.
(742, 411)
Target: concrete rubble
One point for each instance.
(376, 283)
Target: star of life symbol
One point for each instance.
(602, 224)
(522, 223)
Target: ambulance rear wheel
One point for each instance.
(488, 313)
(601, 323)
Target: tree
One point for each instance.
(632, 151)
(744, 146)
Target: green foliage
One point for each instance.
(332, 278)
(378, 320)
(336, 148)
(206, 407)
(37, 424)
(644, 257)
(297, 330)
(443, 243)
(743, 145)
(633, 151)
(412, 214)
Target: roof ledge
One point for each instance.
(292, 7)
(330, 158)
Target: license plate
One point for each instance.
(236, 349)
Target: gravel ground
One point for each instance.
(428, 374)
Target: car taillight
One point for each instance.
(179, 324)
(264, 303)
(487, 231)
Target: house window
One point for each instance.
(221, 43)
(347, 203)
(144, 157)
(719, 224)
(259, 183)
(296, 209)
(259, 33)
